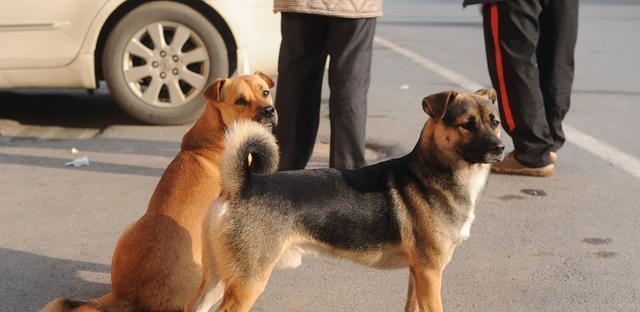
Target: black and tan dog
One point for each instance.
(411, 211)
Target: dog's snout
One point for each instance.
(498, 149)
(269, 111)
(268, 115)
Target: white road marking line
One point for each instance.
(446, 73)
(603, 150)
(609, 153)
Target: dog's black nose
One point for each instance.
(497, 149)
(269, 111)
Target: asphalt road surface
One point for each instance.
(565, 243)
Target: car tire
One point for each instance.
(159, 59)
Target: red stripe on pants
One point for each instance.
(504, 98)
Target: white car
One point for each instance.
(156, 56)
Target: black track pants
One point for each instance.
(530, 49)
(306, 41)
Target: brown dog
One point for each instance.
(407, 212)
(157, 262)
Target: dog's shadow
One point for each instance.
(30, 281)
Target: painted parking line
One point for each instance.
(426, 63)
(602, 150)
(609, 153)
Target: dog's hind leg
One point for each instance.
(210, 292)
(241, 293)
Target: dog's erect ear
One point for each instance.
(488, 92)
(214, 91)
(435, 105)
(266, 79)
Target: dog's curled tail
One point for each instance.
(106, 303)
(249, 148)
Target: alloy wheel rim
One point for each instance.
(166, 64)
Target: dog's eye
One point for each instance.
(265, 93)
(241, 101)
(469, 125)
(495, 123)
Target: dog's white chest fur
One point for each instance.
(477, 180)
(465, 230)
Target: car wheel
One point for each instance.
(159, 59)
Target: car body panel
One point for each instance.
(44, 34)
(253, 24)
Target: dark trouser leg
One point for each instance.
(350, 47)
(511, 37)
(301, 63)
(558, 34)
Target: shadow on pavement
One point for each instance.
(167, 149)
(96, 166)
(101, 145)
(68, 108)
(29, 281)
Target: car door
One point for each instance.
(43, 33)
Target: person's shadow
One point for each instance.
(30, 281)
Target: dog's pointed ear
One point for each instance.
(266, 79)
(435, 105)
(214, 91)
(488, 92)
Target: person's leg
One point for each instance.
(511, 37)
(558, 35)
(350, 48)
(301, 63)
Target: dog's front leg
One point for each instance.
(412, 300)
(428, 283)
